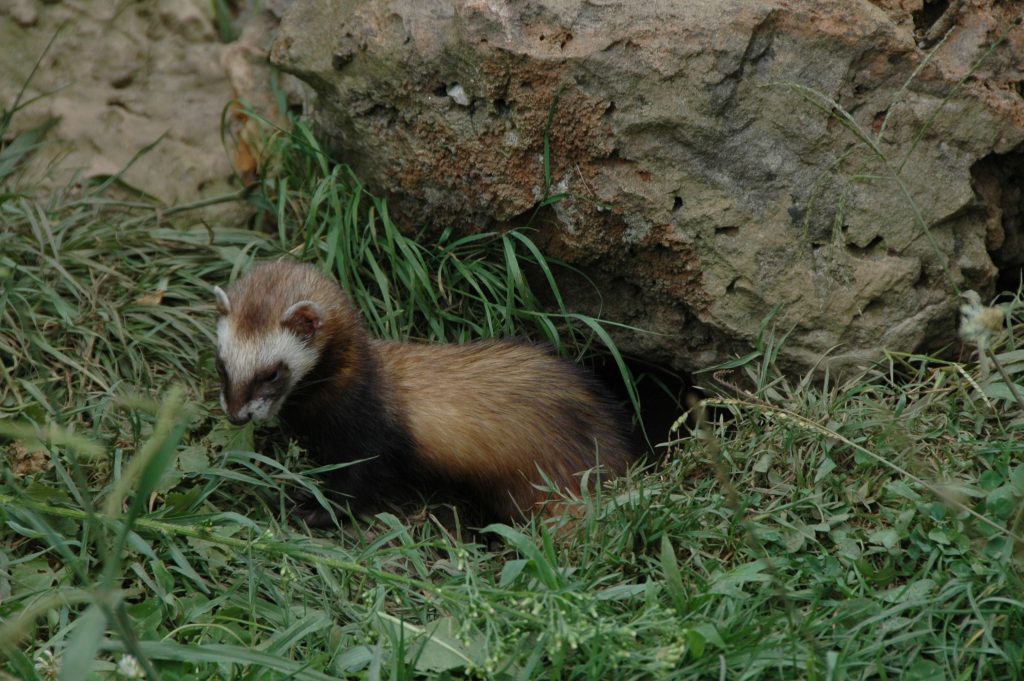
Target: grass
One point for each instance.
(808, 528)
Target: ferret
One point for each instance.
(481, 423)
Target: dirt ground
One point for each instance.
(138, 88)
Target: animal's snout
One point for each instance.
(238, 419)
(238, 416)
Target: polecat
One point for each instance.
(478, 423)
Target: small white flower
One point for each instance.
(979, 325)
(130, 668)
(46, 664)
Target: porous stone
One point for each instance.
(832, 161)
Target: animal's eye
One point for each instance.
(272, 376)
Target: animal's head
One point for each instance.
(270, 335)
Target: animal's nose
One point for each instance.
(238, 420)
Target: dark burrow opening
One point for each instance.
(662, 394)
(926, 17)
(998, 181)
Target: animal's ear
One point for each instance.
(303, 319)
(223, 304)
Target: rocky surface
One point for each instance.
(120, 77)
(719, 158)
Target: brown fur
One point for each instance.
(478, 421)
(496, 413)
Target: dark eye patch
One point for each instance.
(272, 375)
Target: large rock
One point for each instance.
(721, 157)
